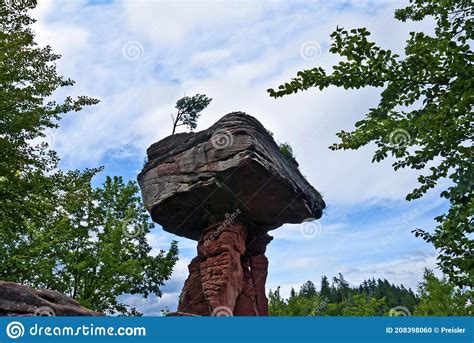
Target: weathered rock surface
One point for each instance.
(193, 179)
(228, 275)
(19, 300)
(226, 187)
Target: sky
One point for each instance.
(138, 57)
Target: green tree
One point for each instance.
(189, 110)
(29, 180)
(308, 289)
(371, 298)
(342, 289)
(362, 305)
(424, 117)
(443, 298)
(56, 230)
(101, 247)
(325, 289)
(276, 304)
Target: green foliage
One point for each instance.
(424, 117)
(29, 180)
(371, 298)
(189, 110)
(56, 230)
(374, 298)
(308, 290)
(287, 151)
(99, 247)
(361, 305)
(325, 288)
(296, 305)
(165, 311)
(277, 306)
(443, 298)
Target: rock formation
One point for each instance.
(19, 300)
(226, 187)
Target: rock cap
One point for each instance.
(197, 178)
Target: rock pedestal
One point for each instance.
(226, 187)
(228, 275)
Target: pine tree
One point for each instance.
(326, 289)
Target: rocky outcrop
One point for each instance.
(19, 300)
(192, 179)
(226, 187)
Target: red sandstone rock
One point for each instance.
(228, 275)
(19, 300)
(226, 187)
(259, 270)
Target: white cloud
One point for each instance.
(246, 49)
(406, 270)
(174, 22)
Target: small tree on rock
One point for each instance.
(189, 110)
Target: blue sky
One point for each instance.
(138, 57)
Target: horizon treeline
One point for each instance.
(434, 297)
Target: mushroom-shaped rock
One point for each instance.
(226, 187)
